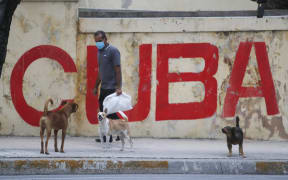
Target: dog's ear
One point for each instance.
(63, 103)
(74, 107)
(105, 110)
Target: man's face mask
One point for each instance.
(100, 45)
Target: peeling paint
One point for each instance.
(271, 167)
(19, 164)
(146, 164)
(126, 3)
(25, 25)
(40, 164)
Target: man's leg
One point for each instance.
(103, 94)
(111, 116)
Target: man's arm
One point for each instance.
(118, 80)
(117, 68)
(98, 81)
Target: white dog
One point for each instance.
(119, 127)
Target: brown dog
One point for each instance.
(55, 120)
(234, 136)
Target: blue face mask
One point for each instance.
(100, 45)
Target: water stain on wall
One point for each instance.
(25, 24)
(51, 30)
(251, 113)
(126, 3)
(80, 84)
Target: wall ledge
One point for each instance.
(183, 24)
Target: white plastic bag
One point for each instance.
(114, 103)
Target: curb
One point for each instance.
(119, 166)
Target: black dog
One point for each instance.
(234, 136)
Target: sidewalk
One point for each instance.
(21, 155)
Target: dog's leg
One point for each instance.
(122, 138)
(42, 139)
(110, 141)
(104, 141)
(101, 139)
(101, 136)
(55, 140)
(47, 139)
(63, 138)
(230, 149)
(130, 141)
(241, 150)
(107, 143)
(127, 135)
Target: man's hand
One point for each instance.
(118, 91)
(95, 91)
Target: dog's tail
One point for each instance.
(237, 121)
(46, 106)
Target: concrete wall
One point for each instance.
(255, 121)
(216, 40)
(35, 24)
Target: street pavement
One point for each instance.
(21, 156)
(147, 176)
(144, 148)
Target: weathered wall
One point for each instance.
(252, 111)
(148, 76)
(35, 24)
(185, 36)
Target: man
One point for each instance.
(7, 8)
(109, 72)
